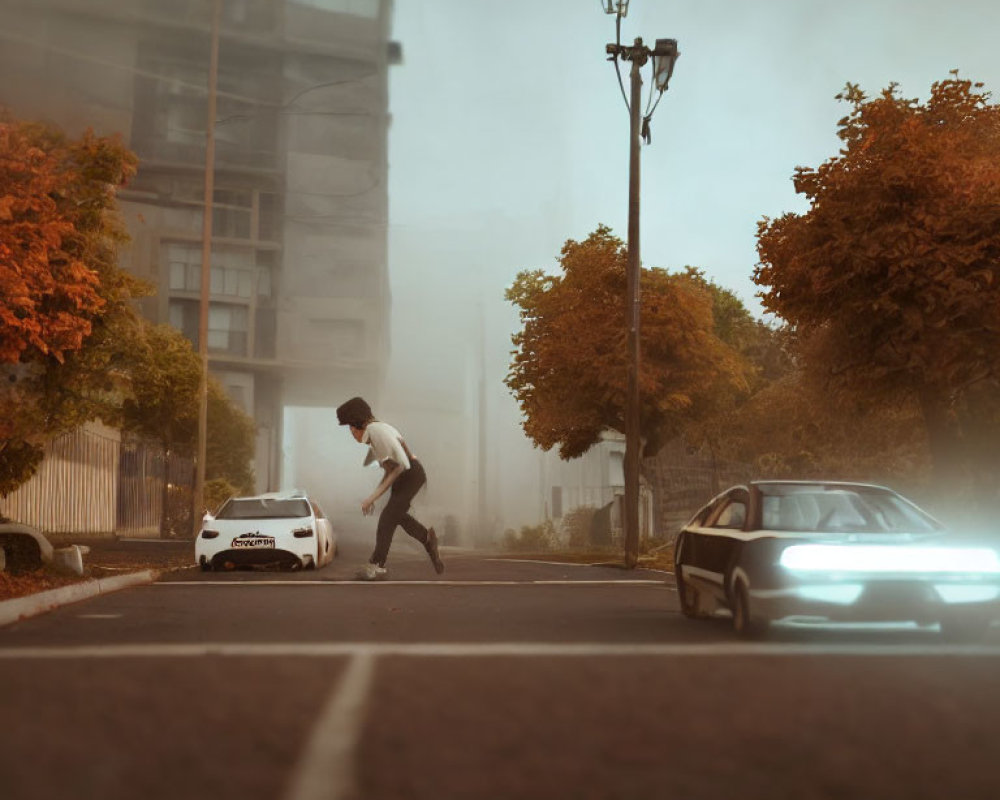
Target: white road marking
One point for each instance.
(492, 650)
(326, 770)
(611, 563)
(348, 582)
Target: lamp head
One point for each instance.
(619, 7)
(664, 57)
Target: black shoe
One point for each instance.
(432, 551)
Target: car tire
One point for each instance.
(22, 552)
(745, 624)
(687, 597)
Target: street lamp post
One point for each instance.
(197, 498)
(663, 55)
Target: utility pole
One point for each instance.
(197, 501)
(664, 56)
(483, 525)
(633, 441)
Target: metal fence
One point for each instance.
(684, 482)
(91, 482)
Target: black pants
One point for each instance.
(396, 512)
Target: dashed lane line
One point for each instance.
(492, 650)
(326, 770)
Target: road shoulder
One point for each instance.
(33, 604)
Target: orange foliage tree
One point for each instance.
(891, 279)
(64, 312)
(570, 367)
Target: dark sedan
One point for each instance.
(817, 550)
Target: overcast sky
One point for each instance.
(510, 135)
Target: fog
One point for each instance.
(509, 136)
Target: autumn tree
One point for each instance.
(569, 369)
(891, 278)
(797, 426)
(164, 380)
(64, 302)
(763, 351)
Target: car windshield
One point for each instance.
(848, 509)
(263, 508)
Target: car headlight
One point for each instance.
(207, 534)
(302, 533)
(887, 558)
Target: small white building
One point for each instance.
(594, 480)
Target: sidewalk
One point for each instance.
(110, 564)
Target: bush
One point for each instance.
(531, 539)
(577, 525)
(217, 491)
(451, 530)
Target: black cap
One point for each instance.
(354, 412)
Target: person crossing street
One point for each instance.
(403, 476)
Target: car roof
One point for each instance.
(822, 484)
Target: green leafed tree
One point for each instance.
(164, 380)
(891, 278)
(570, 366)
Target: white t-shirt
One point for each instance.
(384, 441)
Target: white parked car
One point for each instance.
(276, 529)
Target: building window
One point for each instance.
(232, 213)
(557, 509)
(265, 333)
(227, 329)
(171, 106)
(236, 272)
(184, 317)
(227, 325)
(616, 469)
(357, 8)
(267, 216)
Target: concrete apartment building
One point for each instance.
(299, 303)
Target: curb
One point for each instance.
(33, 604)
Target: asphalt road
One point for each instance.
(498, 679)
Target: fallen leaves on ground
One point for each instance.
(106, 559)
(41, 580)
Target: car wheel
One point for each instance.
(206, 566)
(22, 553)
(964, 629)
(687, 596)
(744, 623)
